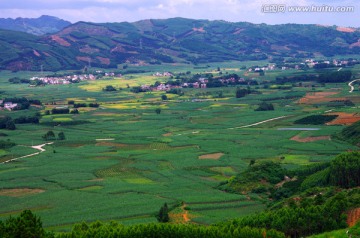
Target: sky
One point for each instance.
(254, 11)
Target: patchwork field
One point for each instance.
(122, 161)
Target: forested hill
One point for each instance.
(36, 26)
(172, 40)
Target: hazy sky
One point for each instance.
(229, 10)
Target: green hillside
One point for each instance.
(173, 40)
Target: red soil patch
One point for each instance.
(103, 60)
(238, 31)
(118, 48)
(317, 97)
(344, 118)
(214, 156)
(353, 217)
(19, 192)
(83, 58)
(201, 29)
(167, 134)
(36, 53)
(60, 40)
(87, 49)
(356, 44)
(310, 139)
(104, 143)
(345, 29)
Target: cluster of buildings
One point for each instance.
(64, 79)
(165, 74)
(7, 105)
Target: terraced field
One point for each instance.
(122, 161)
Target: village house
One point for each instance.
(10, 106)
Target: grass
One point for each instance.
(128, 178)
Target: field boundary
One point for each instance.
(258, 123)
(37, 147)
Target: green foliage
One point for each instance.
(50, 135)
(113, 229)
(267, 172)
(345, 170)
(335, 77)
(61, 136)
(316, 119)
(26, 225)
(300, 220)
(109, 88)
(163, 215)
(351, 133)
(355, 230)
(6, 144)
(318, 179)
(60, 111)
(265, 107)
(158, 110)
(242, 92)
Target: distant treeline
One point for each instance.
(316, 119)
(327, 77)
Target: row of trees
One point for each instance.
(50, 135)
(7, 122)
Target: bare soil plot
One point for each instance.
(214, 156)
(353, 217)
(20, 192)
(167, 134)
(310, 139)
(318, 97)
(344, 118)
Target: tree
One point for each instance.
(10, 125)
(61, 136)
(158, 110)
(27, 225)
(241, 92)
(164, 97)
(265, 107)
(163, 215)
(49, 135)
(109, 88)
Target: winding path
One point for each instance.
(37, 147)
(258, 123)
(351, 86)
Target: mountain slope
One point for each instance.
(179, 40)
(35, 26)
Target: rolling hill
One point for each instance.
(171, 40)
(36, 26)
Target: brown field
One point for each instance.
(310, 139)
(318, 97)
(167, 134)
(214, 156)
(345, 29)
(19, 192)
(112, 144)
(344, 118)
(353, 217)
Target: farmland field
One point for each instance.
(122, 160)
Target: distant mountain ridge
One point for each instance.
(36, 26)
(170, 41)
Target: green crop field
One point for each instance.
(122, 160)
